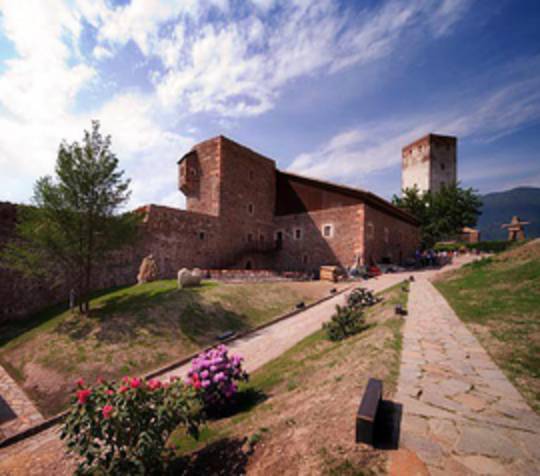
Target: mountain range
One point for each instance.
(500, 207)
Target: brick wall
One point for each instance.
(312, 249)
(388, 237)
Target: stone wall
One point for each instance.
(388, 237)
(304, 246)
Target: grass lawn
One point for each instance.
(297, 413)
(135, 329)
(499, 300)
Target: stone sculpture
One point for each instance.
(187, 278)
(148, 270)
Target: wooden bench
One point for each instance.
(367, 412)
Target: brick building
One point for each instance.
(261, 217)
(429, 163)
(242, 212)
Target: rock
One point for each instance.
(187, 278)
(148, 270)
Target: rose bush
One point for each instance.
(214, 374)
(122, 428)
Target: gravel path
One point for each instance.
(461, 414)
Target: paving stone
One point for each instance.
(485, 441)
(483, 465)
(472, 402)
(429, 451)
(444, 431)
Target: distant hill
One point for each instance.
(499, 207)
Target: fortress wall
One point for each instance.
(172, 236)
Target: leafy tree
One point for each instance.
(73, 223)
(441, 214)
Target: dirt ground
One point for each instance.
(300, 422)
(135, 331)
(306, 425)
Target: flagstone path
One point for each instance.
(461, 415)
(17, 412)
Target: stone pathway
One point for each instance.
(25, 412)
(461, 415)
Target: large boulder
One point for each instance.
(148, 270)
(188, 279)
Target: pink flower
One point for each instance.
(109, 392)
(154, 384)
(82, 395)
(125, 379)
(106, 411)
(100, 380)
(135, 382)
(79, 382)
(123, 389)
(174, 378)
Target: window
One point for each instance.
(201, 235)
(251, 175)
(250, 237)
(261, 238)
(251, 209)
(278, 236)
(442, 167)
(328, 231)
(298, 233)
(305, 259)
(370, 231)
(386, 235)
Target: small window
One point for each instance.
(442, 167)
(251, 175)
(305, 259)
(328, 231)
(370, 232)
(201, 235)
(261, 238)
(251, 209)
(386, 235)
(250, 237)
(298, 233)
(278, 236)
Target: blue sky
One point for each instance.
(326, 88)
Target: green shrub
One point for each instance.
(346, 321)
(123, 428)
(361, 297)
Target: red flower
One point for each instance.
(109, 392)
(135, 382)
(123, 389)
(106, 411)
(82, 395)
(125, 379)
(79, 382)
(197, 384)
(100, 380)
(154, 384)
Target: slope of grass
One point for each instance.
(499, 299)
(135, 329)
(297, 413)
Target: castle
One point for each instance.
(243, 213)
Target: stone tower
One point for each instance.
(429, 162)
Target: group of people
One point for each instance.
(431, 257)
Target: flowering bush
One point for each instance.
(213, 374)
(122, 428)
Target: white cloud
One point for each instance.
(238, 65)
(353, 154)
(38, 92)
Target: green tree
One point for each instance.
(73, 223)
(443, 214)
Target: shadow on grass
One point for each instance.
(222, 458)
(245, 401)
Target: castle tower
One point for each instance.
(429, 163)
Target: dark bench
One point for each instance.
(367, 412)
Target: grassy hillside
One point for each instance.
(499, 300)
(499, 208)
(136, 329)
(297, 413)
